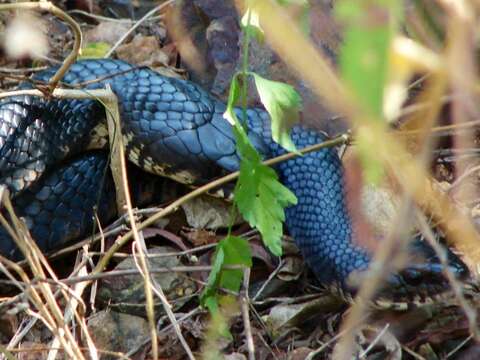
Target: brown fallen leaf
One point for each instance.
(199, 237)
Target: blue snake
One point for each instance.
(175, 129)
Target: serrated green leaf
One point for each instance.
(95, 50)
(260, 197)
(250, 23)
(283, 104)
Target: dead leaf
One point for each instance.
(152, 232)
(199, 237)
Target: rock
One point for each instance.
(206, 212)
(286, 316)
(126, 293)
(235, 356)
(113, 331)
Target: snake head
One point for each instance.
(424, 277)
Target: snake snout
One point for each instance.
(426, 279)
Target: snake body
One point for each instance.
(175, 129)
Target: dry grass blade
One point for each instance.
(42, 298)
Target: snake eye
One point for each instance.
(412, 276)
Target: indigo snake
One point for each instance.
(175, 129)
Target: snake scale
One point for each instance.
(175, 129)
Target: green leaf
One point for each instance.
(211, 303)
(233, 96)
(232, 250)
(95, 50)
(259, 195)
(365, 50)
(283, 104)
(250, 24)
(236, 252)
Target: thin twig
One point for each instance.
(462, 177)
(162, 270)
(375, 341)
(459, 346)
(244, 305)
(109, 19)
(269, 279)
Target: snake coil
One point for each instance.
(175, 129)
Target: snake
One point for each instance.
(50, 162)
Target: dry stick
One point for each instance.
(272, 275)
(413, 353)
(137, 24)
(48, 6)
(244, 301)
(168, 309)
(462, 177)
(100, 17)
(161, 270)
(143, 343)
